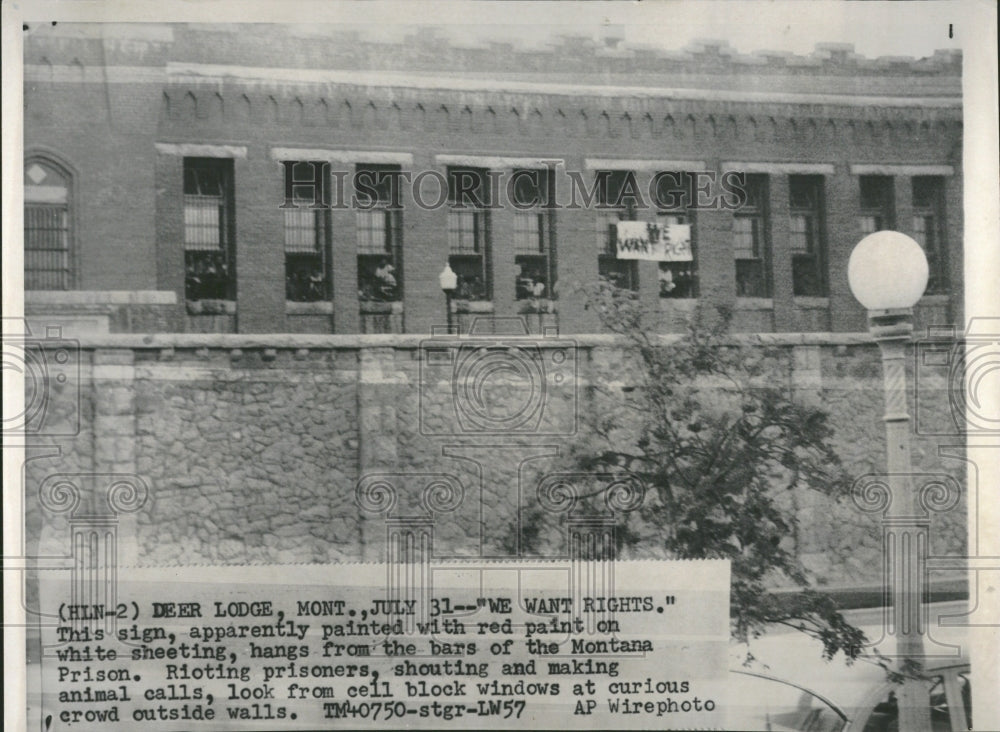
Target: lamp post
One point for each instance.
(887, 273)
(448, 281)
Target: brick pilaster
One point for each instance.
(260, 255)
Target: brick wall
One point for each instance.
(101, 106)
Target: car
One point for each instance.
(790, 687)
(776, 704)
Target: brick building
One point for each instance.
(223, 355)
(156, 160)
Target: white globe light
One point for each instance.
(448, 279)
(887, 271)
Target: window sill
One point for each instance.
(319, 307)
(754, 303)
(100, 297)
(812, 303)
(211, 307)
(376, 307)
(678, 303)
(472, 306)
(934, 300)
(525, 307)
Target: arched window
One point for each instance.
(47, 226)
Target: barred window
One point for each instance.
(373, 231)
(47, 232)
(607, 232)
(800, 233)
(208, 229)
(529, 233)
(469, 232)
(611, 191)
(751, 245)
(877, 204)
(465, 232)
(534, 235)
(307, 237)
(806, 235)
(746, 237)
(379, 233)
(928, 229)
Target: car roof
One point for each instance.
(793, 657)
(828, 702)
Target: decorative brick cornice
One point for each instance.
(200, 108)
(220, 77)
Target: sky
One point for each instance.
(874, 28)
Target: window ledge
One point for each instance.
(934, 300)
(100, 297)
(754, 303)
(211, 307)
(320, 307)
(678, 303)
(376, 307)
(472, 306)
(812, 303)
(536, 306)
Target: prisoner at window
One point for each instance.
(379, 233)
(675, 191)
(307, 232)
(209, 242)
(618, 200)
(534, 235)
(469, 232)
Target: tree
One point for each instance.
(720, 449)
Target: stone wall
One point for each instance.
(252, 448)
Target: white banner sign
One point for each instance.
(667, 242)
